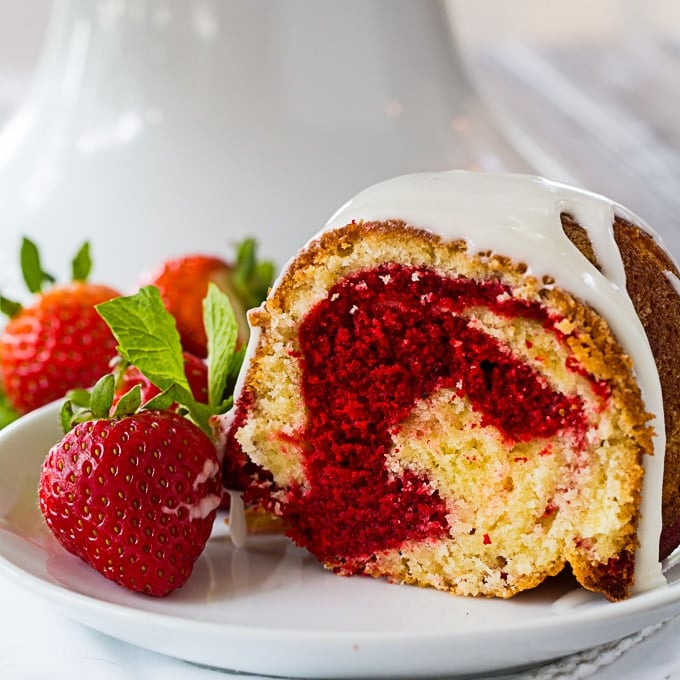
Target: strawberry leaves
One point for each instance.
(83, 405)
(56, 341)
(7, 413)
(9, 308)
(251, 278)
(31, 267)
(35, 277)
(81, 266)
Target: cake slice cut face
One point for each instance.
(441, 415)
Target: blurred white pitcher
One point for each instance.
(159, 127)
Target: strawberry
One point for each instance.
(59, 341)
(183, 283)
(134, 497)
(133, 490)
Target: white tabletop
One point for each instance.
(38, 643)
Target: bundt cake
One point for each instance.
(460, 383)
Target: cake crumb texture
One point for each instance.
(441, 417)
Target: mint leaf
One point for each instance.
(164, 400)
(236, 363)
(221, 329)
(81, 266)
(147, 337)
(201, 414)
(31, 267)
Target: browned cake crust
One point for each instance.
(658, 305)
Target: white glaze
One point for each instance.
(206, 504)
(674, 281)
(210, 470)
(572, 600)
(199, 510)
(238, 528)
(519, 216)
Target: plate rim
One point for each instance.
(656, 605)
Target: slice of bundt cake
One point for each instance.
(449, 386)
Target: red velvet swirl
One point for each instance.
(381, 340)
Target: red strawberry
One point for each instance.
(195, 370)
(183, 283)
(135, 493)
(134, 497)
(59, 341)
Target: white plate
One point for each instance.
(269, 608)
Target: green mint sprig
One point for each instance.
(148, 339)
